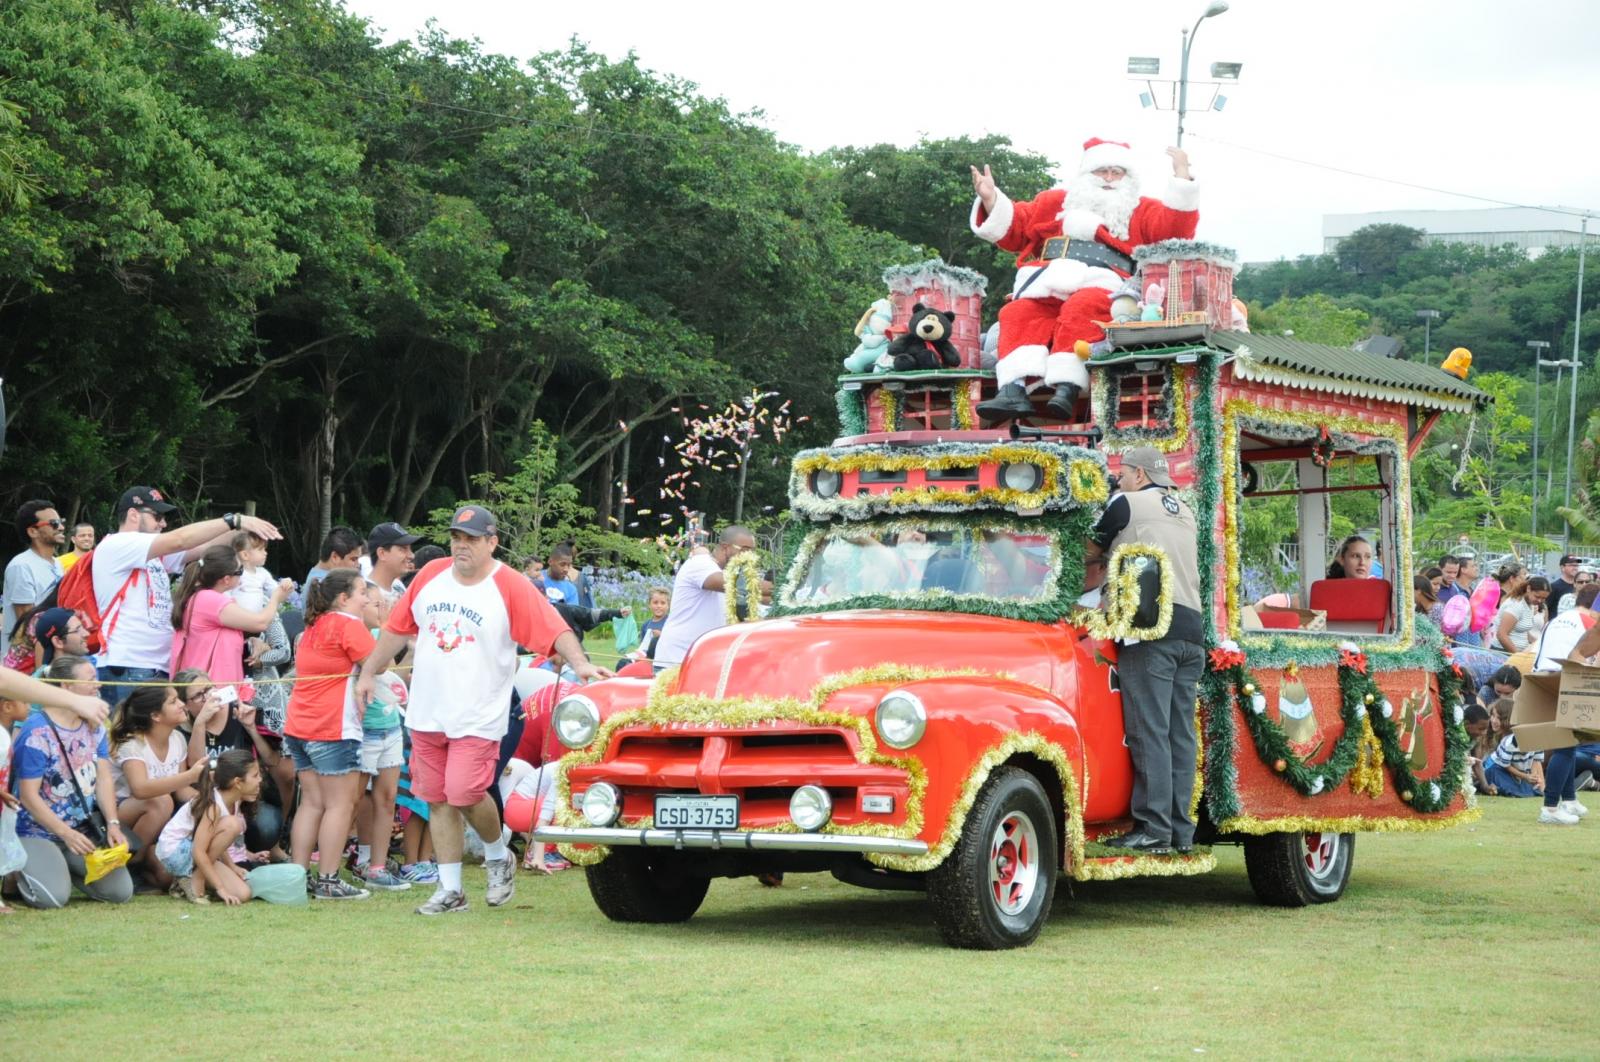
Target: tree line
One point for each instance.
(250, 252)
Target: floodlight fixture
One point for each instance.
(1144, 65)
(1215, 9)
(1219, 102)
(1227, 71)
(1430, 315)
(1146, 100)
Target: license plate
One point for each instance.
(678, 812)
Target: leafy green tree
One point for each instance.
(1312, 319)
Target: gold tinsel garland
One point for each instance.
(1119, 439)
(1121, 596)
(1146, 866)
(1367, 775)
(748, 565)
(1395, 434)
(661, 708)
(962, 413)
(1011, 745)
(1052, 465)
(1351, 824)
(889, 403)
(1088, 483)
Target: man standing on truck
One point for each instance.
(698, 605)
(1158, 677)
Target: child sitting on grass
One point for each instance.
(149, 757)
(203, 843)
(1508, 769)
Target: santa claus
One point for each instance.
(1074, 247)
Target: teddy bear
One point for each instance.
(925, 344)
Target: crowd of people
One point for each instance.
(1503, 625)
(170, 721)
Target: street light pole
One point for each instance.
(1538, 346)
(1427, 333)
(1217, 7)
(1572, 405)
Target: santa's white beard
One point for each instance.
(1113, 205)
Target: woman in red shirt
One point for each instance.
(322, 727)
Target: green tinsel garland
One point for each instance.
(852, 412)
(1070, 530)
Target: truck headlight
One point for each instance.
(1021, 475)
(602, 804)
(826, 482)
(811, 807)
(901, 720)
(576, 719)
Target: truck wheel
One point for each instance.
(1296, 869)
(638, 885)
(994, 889)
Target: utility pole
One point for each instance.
(1572, 405)
(1538, 346)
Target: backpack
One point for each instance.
(76, 591)
(1457, 613)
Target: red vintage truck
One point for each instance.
(930, 706)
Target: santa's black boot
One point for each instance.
(1064, 403)
(1010, 402)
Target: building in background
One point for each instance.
(1534, 231)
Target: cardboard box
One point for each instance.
(1578, 701)
(1537, 716)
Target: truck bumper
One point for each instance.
(734, 840)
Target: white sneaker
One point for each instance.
(1557, 817)
(1572, 807)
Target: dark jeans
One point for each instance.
(1559, 776)
(263, 827)
(114, 694)
(1158, 695)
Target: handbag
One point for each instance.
(94, 821)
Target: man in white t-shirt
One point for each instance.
(468, 615)
(133, 588)
(389, 557)
(697, 596)
(32, 573)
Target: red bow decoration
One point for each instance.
(1353, 660)
(1223, 659)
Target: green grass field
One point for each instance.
(1465, 943)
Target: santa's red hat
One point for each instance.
(1098, 153)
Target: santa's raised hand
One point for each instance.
(984, 188)
(1180, 162)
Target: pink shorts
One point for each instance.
(455, 771)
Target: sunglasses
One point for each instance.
(56, 523)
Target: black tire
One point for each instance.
(1297, 869)
(639, 885)
(971, 909)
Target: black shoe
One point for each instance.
(1064, 403)
(1137, 843)
(1009, 403)
(1183, 849)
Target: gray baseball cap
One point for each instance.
(1151, 461)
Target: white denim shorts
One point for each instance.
(382, 749)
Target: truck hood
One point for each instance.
(789, 657)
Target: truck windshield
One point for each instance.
(996, 563)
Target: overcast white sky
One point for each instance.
(1487, 97)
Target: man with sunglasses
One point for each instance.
(32, 573)
(133, 587)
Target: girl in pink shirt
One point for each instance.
(210, 625)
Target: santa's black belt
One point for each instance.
(1092, 252)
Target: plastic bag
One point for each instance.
(283, 883)
(12, 855)
(625, 630)
(102, 861)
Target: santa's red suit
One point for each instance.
(1056, 302)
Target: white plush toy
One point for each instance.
(873, 331)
